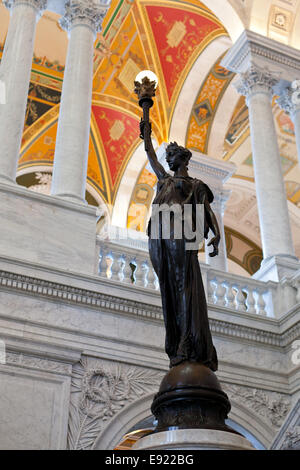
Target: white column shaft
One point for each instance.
(295, 116)
(15, 72)
(72, 142)
(271, 196)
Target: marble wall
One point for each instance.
(85, 353)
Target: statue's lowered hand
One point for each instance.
(215, 243)
(145, 129)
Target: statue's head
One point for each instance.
(177, 156)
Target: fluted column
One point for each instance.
(289, 101)
(218, 206)
(15, 72)
(276, 236)
(82, 20)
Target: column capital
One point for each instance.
(38, 5)
(84, 13)
(289, 100)
(256, 80)
(221, 197)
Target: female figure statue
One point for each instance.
(188, 336)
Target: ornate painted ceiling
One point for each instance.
(183, 42)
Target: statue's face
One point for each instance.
(174, 159)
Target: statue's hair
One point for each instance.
(185, 153)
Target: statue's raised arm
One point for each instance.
(145, 134)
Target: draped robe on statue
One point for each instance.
(184, 305)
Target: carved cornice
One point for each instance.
(84, 13)
(38, 5)
(253, 48)
(208, 170)
(108, 303)
(33, 362)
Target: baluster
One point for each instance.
(230, 296)
(211, 287)
(102, 266)
(240, 299)
(220, 293)
(127, 270)
(140, 273)
(250, 300)
(152, 279)
(260, 302)
(115, 267)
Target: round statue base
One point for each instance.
(193, 439)
(190, 397)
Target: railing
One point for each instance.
(126, 260)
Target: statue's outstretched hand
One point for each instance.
(145, 129)
(215, 243)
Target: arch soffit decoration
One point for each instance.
(139, 410)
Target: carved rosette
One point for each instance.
(38, 5)
(256, 80)
(84, 13)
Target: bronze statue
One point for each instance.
(190, 395)
(188, 336)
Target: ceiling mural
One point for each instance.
(178, 34)
(119, 134)
(166, 37)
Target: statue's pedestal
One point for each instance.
(193, 439)
(191, 409)
(190, 397)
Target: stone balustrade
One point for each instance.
(126, 260)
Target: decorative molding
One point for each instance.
(64, 293)
(272, 406)
(252, 47)
(92, 299)
(100, 390)
(207, 170)
(292, 439)
(84, 13)
(288, 438)
(34, 362)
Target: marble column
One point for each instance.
(15, 72)
(82, 20)
(257, 85)
(218, 206)
(289, 101)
